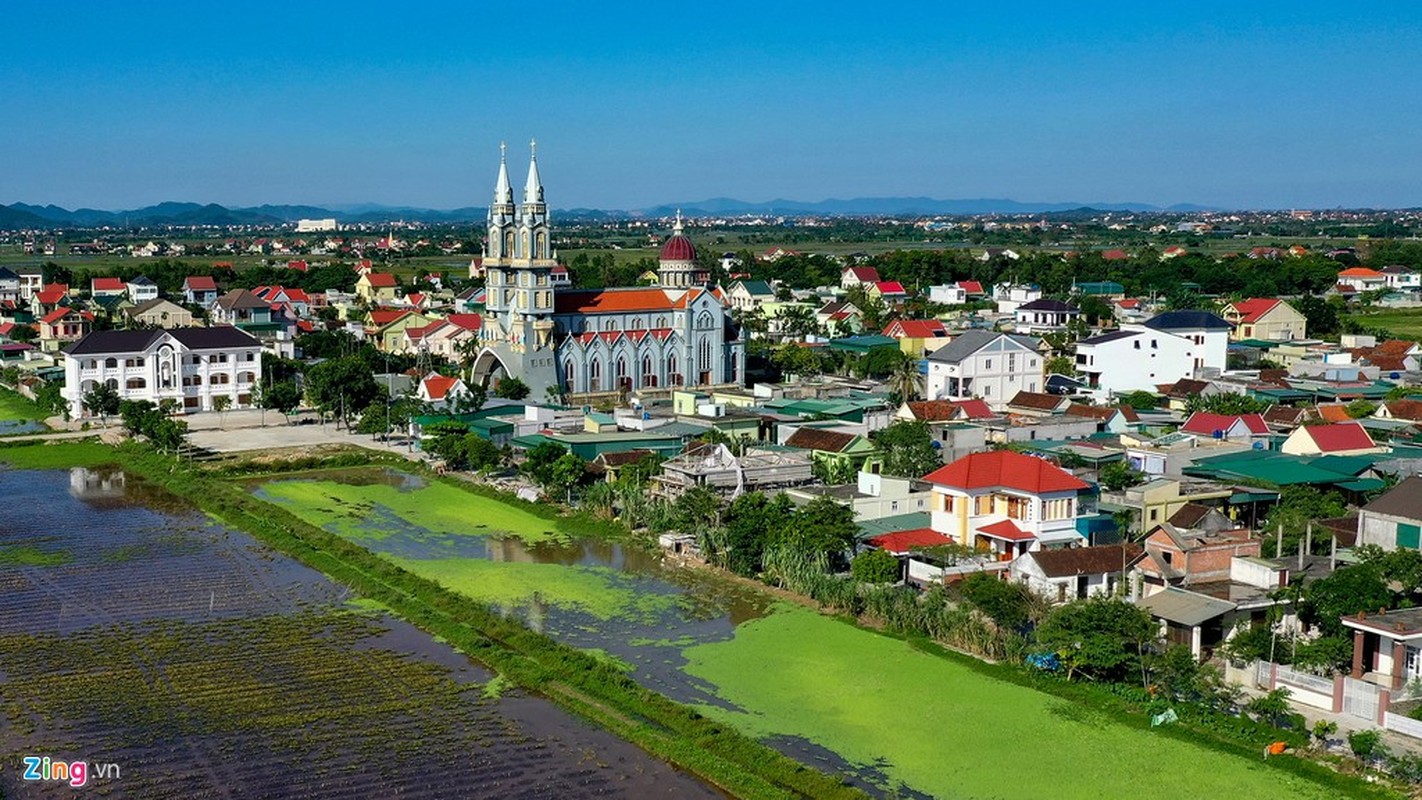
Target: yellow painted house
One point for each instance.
(376, 288)
(385, 327)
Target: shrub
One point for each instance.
(875, 566)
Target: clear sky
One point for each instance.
(1252, 105)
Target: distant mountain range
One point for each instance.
(23, 215)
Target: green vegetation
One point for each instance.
(58, 454)
(603, 593)
(350, 510)
(874, 699)
(29, 556)
(15, 407)
(1404, 323)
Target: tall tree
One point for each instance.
(908, 449)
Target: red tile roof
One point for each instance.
(1115, 255)
(381, 280)
(915, 329)
(820, 439)
(57, 315)
(900, 542)
(865, 274)
(52, 293)
(971, 287)
(381, 317)
(107, 285)
(469, 322)
(1339, 436)
(1006, 469)
(1405, 409)
(976, 408)
(1252, 309)
(200, 283)
(612, 301)
(1204, 423)
(1360, 272)
(1333, 412)
(437, 386)
(1006, 530)
(890, 287)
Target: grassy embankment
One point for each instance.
(15, 407)
(926, 719)
(584, 683)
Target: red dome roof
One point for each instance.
(678, 248)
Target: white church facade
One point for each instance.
(575, 341)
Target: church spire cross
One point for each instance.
(503, 149)
(533, 189)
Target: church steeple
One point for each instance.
(533, 232)
(503, 194)
(533, 189)
(501, 218)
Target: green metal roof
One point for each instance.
(1362, 485)
(870, 528)
(1260, 344)
(864, 343)
(1276, 468)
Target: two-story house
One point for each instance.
(200, 290)
(1266, 318)
(189, 366)
(1006, 503)
(62, 326)
(376, 288)
(993, 366)
(1044, 315)
(142, 289)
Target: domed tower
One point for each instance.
(676, 268)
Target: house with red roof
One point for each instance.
(107, 287)
(1173, 251)
(200, 290)
(441, 390)
(1266, 318)
(1226, 427)
(446, 337)
(973, 409)
(1336, 439)
(857, 276)
(62, 326)
(299, 265)
(917, 337)
(51, 297)
(376, 287)
(889, 291)
(1006, 503)
(1115, 255)
(1362, 279)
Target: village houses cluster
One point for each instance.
(1078, 459)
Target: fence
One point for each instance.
(1263, 674)
(1305, 688)
(1402, 724)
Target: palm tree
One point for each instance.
(905, 382)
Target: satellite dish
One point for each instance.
(1258, 445)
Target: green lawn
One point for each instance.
(1404, 323)
(61, 454)
(945, 729)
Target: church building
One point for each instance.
(577, 341)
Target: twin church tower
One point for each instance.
(564, 341)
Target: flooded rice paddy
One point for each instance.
(138, 633)
(902, 722)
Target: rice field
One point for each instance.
(138, 633)
(835, 696)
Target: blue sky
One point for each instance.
(1255, 105)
